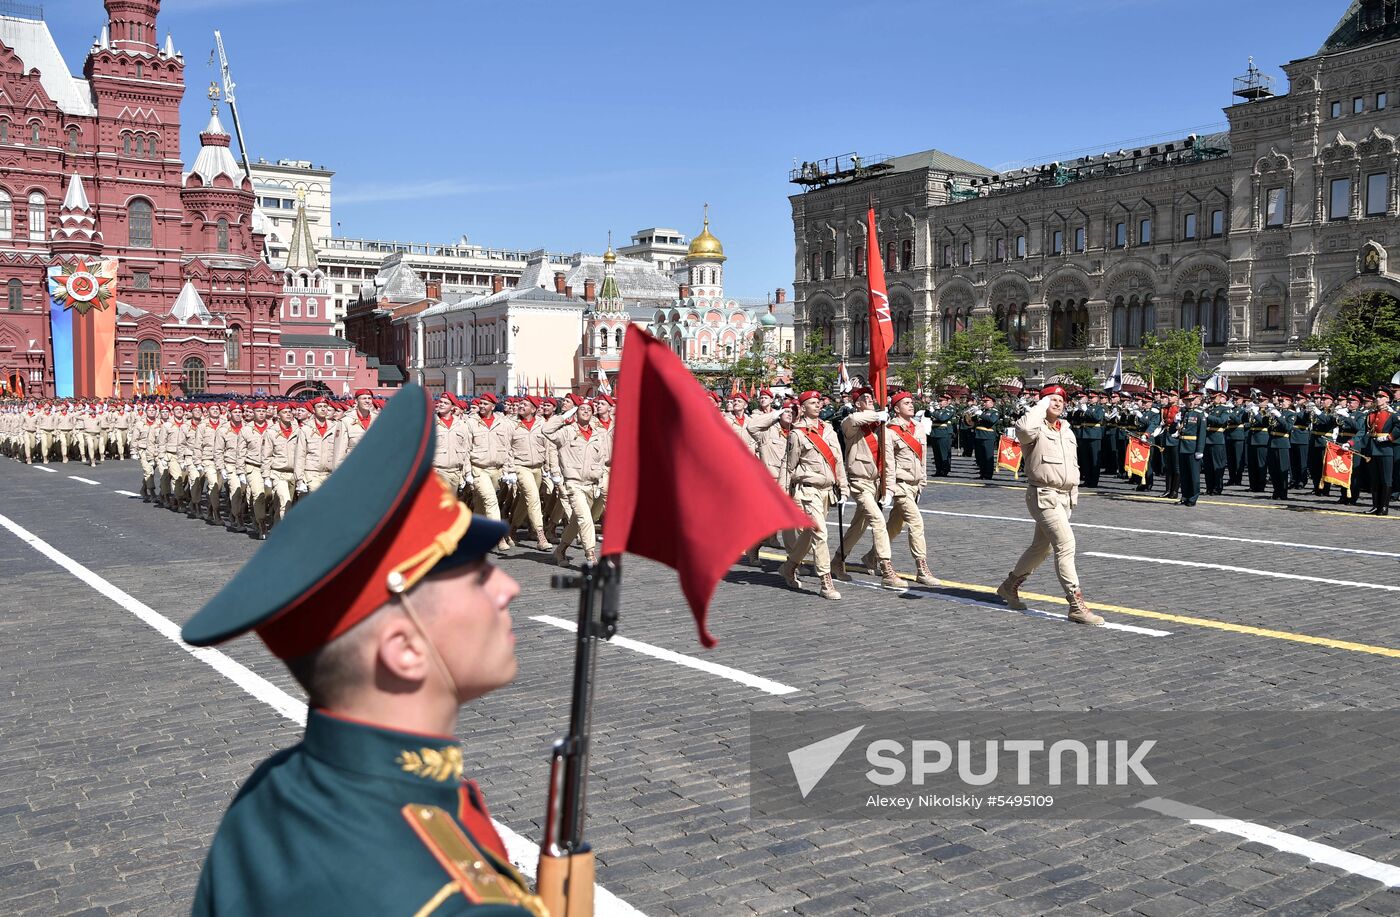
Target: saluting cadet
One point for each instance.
(317, 443)
(815, 477)
(529, 452)
(1191, 446)
(584, 453)
(985, 436)
(279, 459)
(870, 472)
(1050, 460)
(1382, 429)
(489, 456)
(943, 424)
(355, 424)
(910, 476)
(1219, 418)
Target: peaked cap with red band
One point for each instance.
(381, 522)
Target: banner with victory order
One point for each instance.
(83, 323)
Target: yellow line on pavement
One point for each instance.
(1190, 620)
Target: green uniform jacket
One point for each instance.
(942, 421)
(1237, 419)
(1193, 431)
(984, 426)
(1280, 429)
(1218, 420)
(1301, 434)
(1381, 435)
(318, 829)
(1090, 422)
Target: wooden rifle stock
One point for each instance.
(564, 880)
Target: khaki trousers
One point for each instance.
(453, 477)
(581, 505)
(172, 483)
(529, 481)
(30, 438)
(209, 486)
(149, 484)
(814, 501)
(867, 514)
(254, 490)
(315, 479)
(46, 442)
(284, 488)
(1050, 509)
(485, 483)
(905, 514)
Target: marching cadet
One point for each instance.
(603, 407)
(317, 444)
(1324, 431)
(942, 426)
(143, 442)
(122, 423)
(1090, 435)
(450, 458)
(172, 470)
(1382, 429)
(65, 433)
(489, 457)
(1050, 460)
(985, 435)
(204, 467)
(48, 426)
(89, 429)
(1219, 419)
(738, 418)
(279, 459)
(584, 452)
(529, 450)
(230, 471)
(388, 648)
(253, 484)
(552, 504)
(910, 476)
(33, 443)
(1192, 442)
(355, 424)
(870, 471)
(815, 477)
(1280, 426)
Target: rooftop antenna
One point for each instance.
(229, 86)
(1254, 86)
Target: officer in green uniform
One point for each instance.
(1382, 432)
(378, 594)
(942, 425)
(1350, 423)
(1171, 429)
(1324, 427)
(1219, 417)
(1090, 434)
(985, 436)
(1236, 439)
(1280, 428)
(1149, 427)
(1192, 441)
(1298, 441)
(1258, 446)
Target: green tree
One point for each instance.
(751, 368)
(922, 366)
(1080, 374)
(812, 365)
(1166, 360)
(979, 357)
(1362, 344)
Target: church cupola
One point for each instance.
(131, 25)
(705, 263)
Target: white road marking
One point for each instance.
(45, 468)
(1135, 531)
(1229, 568)
(690, 662)
(74, 477)
(1288, 843)
(523, 852)
(126, 493)
(924, 592)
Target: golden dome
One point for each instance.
(705, 247)
(610, 256)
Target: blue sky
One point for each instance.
(529, 123)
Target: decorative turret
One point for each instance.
(76, 232)
(609, 296)
(215, 158)
(705, 264)
(219, 194)
(301, 251)
(131, 24)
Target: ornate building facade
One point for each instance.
(1253, 237)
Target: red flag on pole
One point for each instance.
(672, 454)
(1337, 466)
(881, 324)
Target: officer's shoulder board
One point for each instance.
(472, 871)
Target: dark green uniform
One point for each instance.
(984, 441)
(1382, 430)
(320, 829)
(1349, 426)
(1280, 427)
(1324, 425)
(1236, 443)
(1148, 426)
(942, 426)
(1258, 453)
(1219, 417)
(1298, 441)
(1171, 448)
(1191, 443)
(1090, 435)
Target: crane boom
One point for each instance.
(229, 86)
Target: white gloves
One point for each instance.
(509, 477)
(1346, 447)
(269, 484)
(882, 416)
(889, 499)
(556, 479)
(597, 491)
(570, 412)
(243, 479)
(1200, 455)
(467, 479)
(302, 488)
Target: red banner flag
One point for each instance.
(684, 490)
(881, 324)
(1009, 454)
(1138, 456)
(1337, 466)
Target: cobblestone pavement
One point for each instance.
(120, 750)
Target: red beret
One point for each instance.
(536, 400)
(716, 397)
(860, 393)
(487, 396)
(898, 397)
(739, 396)
(765, 391)
(808, 395)
(576, 400)
(1049, 390)
(364, 391)
(315, 401)
(606, 397)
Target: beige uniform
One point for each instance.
(450, 451)
(48, 429)
(226, 462)
(29, 428)
(204, 462)
(315, 459)
(352, 429)
(584, 454)
(866, 480)
(142, 433)
(1050, 459)
(66, 434)
(88, 426)
(120, 433)
(248, 457)
(811, 480)
(279, 462)
(910, 476)
(529, 451)
(489, 453)
(172, 454)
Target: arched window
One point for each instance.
(1135, 325)
(602, 340)
(889, 257)
(291, 358)
(1205, 316)
(618, 338)
(38, 214)
(1059, 326)
(329, 359)
(140, 223)
(196, 379)
(859, 329)
(1149, 315)
(829, 265)
(147, 360)
(1221, 333)
(72, 140)
(7, 215)
(311, 357)
(906, 255)
(126, 144)
(296, 307)
(815, 270)
(35, 132)
(14, 291)
(221, 235)
(1079, 326)
(311, 308)
(4, 131)
(233, 347)
(140, 70)
(151, 146)
(1188, 310)
(1119, 325)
